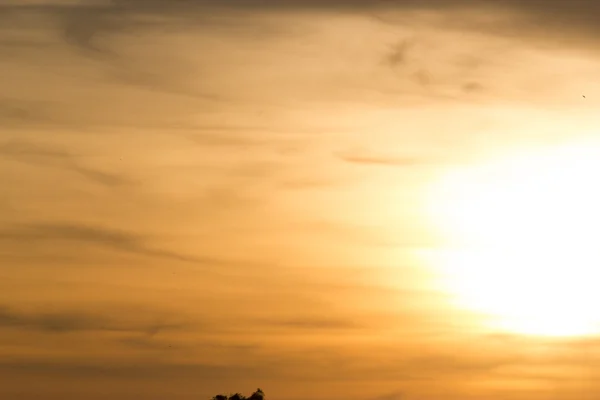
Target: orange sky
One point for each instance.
(198, 199)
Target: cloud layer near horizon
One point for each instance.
(200, 198)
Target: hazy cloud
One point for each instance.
(399, 53)
(399, 395)
(144, 343)
(108, 238)
(44, 155)
(63, 322)
(16, 112)
(294, 136)
(84, 24)
(379, 160)
(316, 324)
(142, 369)
(473, 87)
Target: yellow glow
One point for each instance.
(521, 240)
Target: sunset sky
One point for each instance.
(324, 199)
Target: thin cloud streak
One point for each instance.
(42, 155)
(379, 160)
(65, 322)
(108, 238)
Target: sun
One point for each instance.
(521, 239)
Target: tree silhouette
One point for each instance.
(258, 395)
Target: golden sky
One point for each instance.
(198, 198)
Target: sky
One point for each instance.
(201, 197)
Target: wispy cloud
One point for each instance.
(122, 241)
(15, 112)
(207, 372)
(64, 322)
(369, 159)
(398, 54)
(316, 324)
(45, 155)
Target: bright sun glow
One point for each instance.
(522, 240)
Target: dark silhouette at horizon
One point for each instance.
(257, 395)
